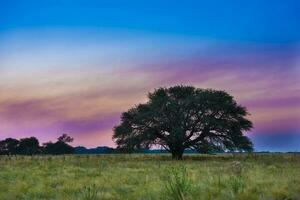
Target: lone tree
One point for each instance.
(185, 117)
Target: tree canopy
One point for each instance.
(59, 147)
(9, 146)
(185, 117)
(29, 146)
(65, 138)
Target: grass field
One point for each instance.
(92, 177)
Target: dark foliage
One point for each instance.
(29, 146)
(65, 138)
(9, 146)
(59, 147)
(183, 117)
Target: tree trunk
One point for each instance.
(177, 155)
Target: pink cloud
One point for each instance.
(87, 103)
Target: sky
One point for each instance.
(74, 66)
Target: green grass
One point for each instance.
(146, 177)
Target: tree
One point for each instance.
(59, 147)
(3, 148)
(9, 146)
(29, 146)
(185, 117)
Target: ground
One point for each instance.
(145, 177)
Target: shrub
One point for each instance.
(237, 184)
(178, 183)
(89, 193)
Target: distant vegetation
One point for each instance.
(97, 150)
(31, 146)
(185, 117)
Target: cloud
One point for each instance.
(85, 93)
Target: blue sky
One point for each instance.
(261, 21)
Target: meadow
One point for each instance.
(150, 177)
